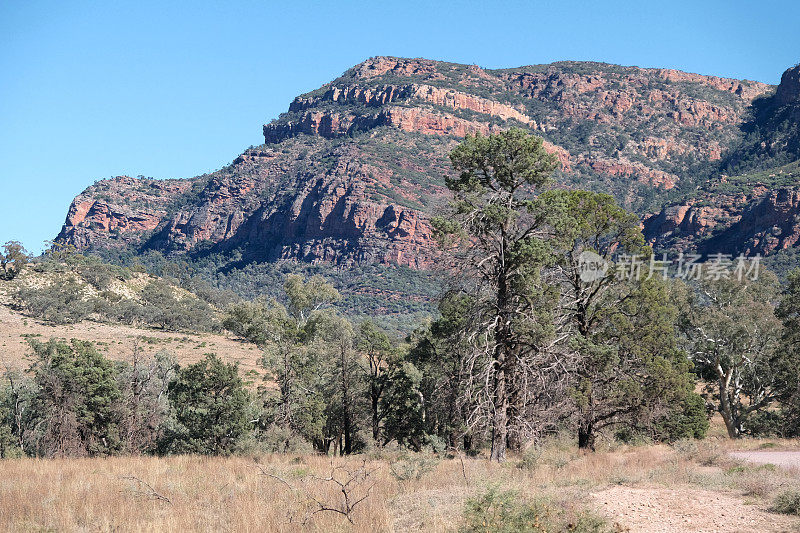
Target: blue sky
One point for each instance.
(91, 90)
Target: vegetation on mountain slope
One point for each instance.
(350, 174)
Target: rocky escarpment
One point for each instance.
(788, 92)
(755, 210)
(757, 215)
(593, 114)
(309, 201)
(764, 227)
(119, 209)
(352, 171)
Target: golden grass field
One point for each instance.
(688, 487)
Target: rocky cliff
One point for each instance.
(756, 209)
(350, 174)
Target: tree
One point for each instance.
(76, 406)
(305, 297)
(254, 321)
(211, 408)
(405, 406)
(494, 194)
(732, 335)
(342, 380)
(443, 403)
(295, 355)
(787, 387)
(13, 259)
(59, 303)
(630, 372)
(15, 401)
(144, 382)
(620, 344)
(9, 443)
(164, 309)
(377, 352)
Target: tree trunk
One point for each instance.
(500, 415)
(514, 438)
(727, 409)
(502, 351)
(586, 436)
(376, 433)
(346, 421)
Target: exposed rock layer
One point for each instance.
(352, 171)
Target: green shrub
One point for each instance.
(497, 511)
(9, 443)
(530, 459)
(764, 424)
(59, 303)
(76, 408)
(163, 309)
(13, 259)
(413, 466)
(787, 502)
(211, 409)
(688, 421)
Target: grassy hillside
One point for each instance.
(107, 306)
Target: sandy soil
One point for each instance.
(117, 342)
(787, 460)
(656, 510)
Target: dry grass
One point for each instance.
(234, 494)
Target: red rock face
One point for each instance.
(756, 212)
(768, 226)
(352, 172)
(789, 90)
(121, 208)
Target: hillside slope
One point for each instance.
(351, 172)
(753, 205)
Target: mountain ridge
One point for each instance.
(752, 206)
(350, 173)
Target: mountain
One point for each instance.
(350, 174)
(348, 177)
(752, 206)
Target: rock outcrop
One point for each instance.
(350, 174)
(788, 92)
(755, 210)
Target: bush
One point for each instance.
(211, 408)
(9, 443)
(162, 308)
(13, 259)
(77, 404)
(275, 438)
(252, 321)
(787, 502)
(497, 511)
(413, 466)
(765, 424)
(530, 458)
(688, 421)
(59, 303)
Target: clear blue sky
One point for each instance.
(91, 90)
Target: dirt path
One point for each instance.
(787, 460)
(656, 510)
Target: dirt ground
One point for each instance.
(656, 510)
(117, 342)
